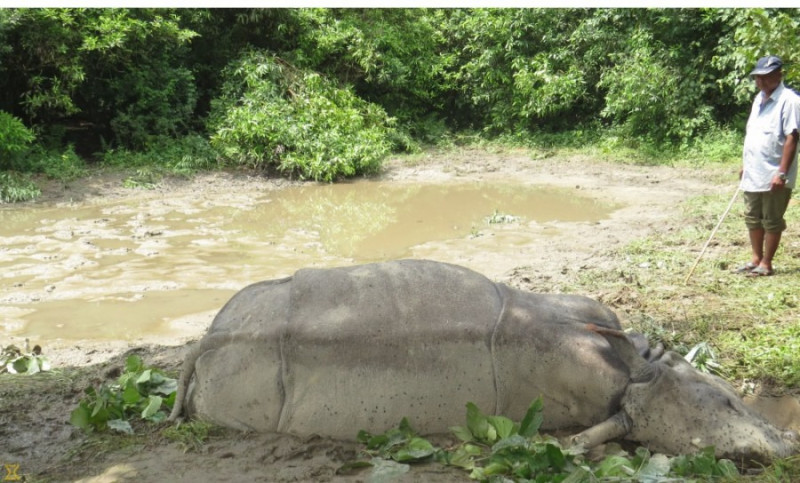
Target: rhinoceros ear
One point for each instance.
(640, 369)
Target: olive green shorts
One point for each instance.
(765, 210)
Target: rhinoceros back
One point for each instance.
(366, 344)
(332, 351)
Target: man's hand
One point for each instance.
(777, 183)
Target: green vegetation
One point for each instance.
(17, 361)
(190, 436)
(494, 448)
(272, 113)
(325, 94)
(746, 327)
(140, 392)
(15, 187)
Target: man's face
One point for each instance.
(768, 82)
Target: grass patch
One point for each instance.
(168, 157)
(749, 323)
(190, 436)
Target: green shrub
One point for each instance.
(273, 114)
(140, 392)
(64, 166)
(184, 156)
(15, 187)
(14, 138)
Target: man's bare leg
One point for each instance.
(757, 245)
(771, 243)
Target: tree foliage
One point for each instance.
(272, 113)
(134, 79)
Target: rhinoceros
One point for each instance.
(334, 351)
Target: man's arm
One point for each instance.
(789, 150)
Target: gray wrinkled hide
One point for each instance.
(335, 351)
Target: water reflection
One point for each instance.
(375, 221)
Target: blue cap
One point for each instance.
(767, 64)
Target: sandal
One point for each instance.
(760, 272)
(746, 268)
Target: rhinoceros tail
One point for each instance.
(187, 371)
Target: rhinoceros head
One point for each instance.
(672, 407)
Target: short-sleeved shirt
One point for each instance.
(767, 129)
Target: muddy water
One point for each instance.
(129, 270)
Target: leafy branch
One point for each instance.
(143, 392)
(495, 448)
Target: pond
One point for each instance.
(123, 270)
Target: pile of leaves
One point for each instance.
(16, 361)
(494, 448)
(140, 392)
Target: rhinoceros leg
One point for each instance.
(614, 427)
(210, 343)
(233, 375)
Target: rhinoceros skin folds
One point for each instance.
(334, 351)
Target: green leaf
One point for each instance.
(363, 437)
(158, 417)
(727, 469)
(133, 363)
(614, 465)
(120, 425)
(464, 456)
(496, 468)
(21, 364)
(555, 456)
(530, 424)
(503, 425)
(156, 377)
(143, 377)
(153, 405)
(405, 427)
(580, 475)
(377, 441)
(387, 470)
(462, 433)
(166, 387)
(657, 466)
(99, 405)
(513, 441)
(80, 417)
(476, 422)
(131, 395)
(44, 363)
(416, 449)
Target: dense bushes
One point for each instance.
(273, 114)
(14, 137)
(325, 93)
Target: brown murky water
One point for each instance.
(121, 271)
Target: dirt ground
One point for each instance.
(34, 411)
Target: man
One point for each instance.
(769, 163)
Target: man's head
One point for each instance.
(768, 73)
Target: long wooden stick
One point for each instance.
(713, 232)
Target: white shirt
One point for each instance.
(766, 133)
